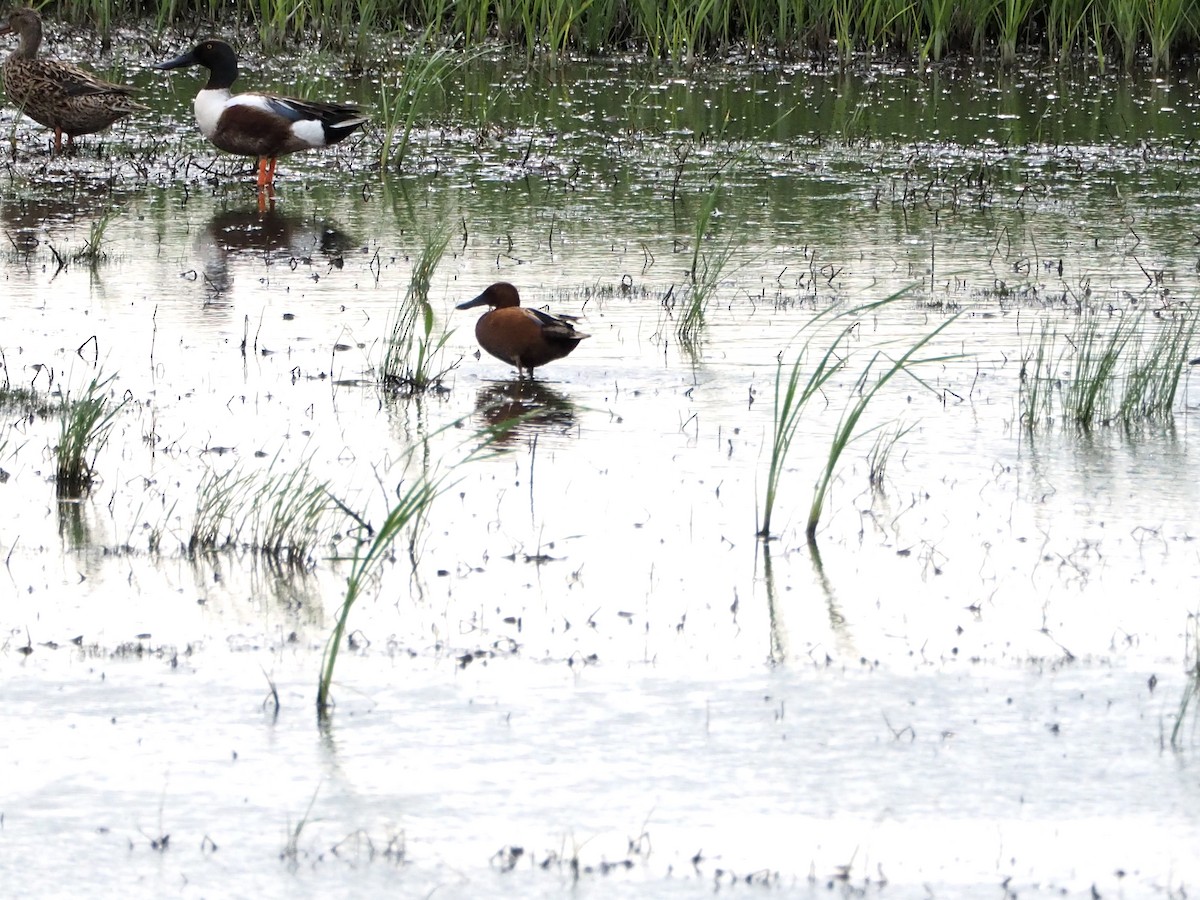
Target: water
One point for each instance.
(595, 661)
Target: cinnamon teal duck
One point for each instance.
(522, 337)
(256, 124)
(57, 94)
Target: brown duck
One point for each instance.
(57, 94)
(522, 337)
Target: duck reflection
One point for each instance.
(521, 407)
(29, 221)
(273, 236)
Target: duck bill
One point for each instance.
(481, 300)
(187, 59)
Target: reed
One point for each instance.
(881, 454)
(1037, 377)
(400, 100)
(1066, 22)
(281, 514)
(704, 275)
(870, 382)
(687, 30)
(410, 509)
(1162, 21)
(1011, 17)
(92, 252)
(1088, 397)
(85, 425)
(793, 392)
(791, 396)
(412, 358)
(937, 14)
(1123, 21)
(1191, 688)
(1111, 371)
(1152, 380)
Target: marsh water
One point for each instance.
(585, 672)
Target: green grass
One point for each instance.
(414, 496)
(687, 30)
(880, 454)
(879, 370)
(704, 275)
(1109, 370)
(1191, 689)
(281, 514)
(794, 390)
(409, 510)
(412, 358)
(85, 425)
(401, 97)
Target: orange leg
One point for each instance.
(262, 171)
(58, 141)
(271, 172)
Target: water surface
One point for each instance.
(594, 659)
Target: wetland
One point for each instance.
(580, 666)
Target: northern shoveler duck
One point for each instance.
(257, 124)
(57, 94)
(522, 337)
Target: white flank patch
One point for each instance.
(209, 105)
(310, 131)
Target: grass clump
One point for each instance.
(425, 70)
(1191, 689)
(793, 392)
(85, 424)
(409, 509)
(704, 276)
(281, 514)
(414, 348)
(686, 30)
(1111, 371)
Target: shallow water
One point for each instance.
(595, 660)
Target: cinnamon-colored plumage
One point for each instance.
(522, 337)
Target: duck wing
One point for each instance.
(335, 115)
(556, 327)
(76, 82)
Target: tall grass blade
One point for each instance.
(85, 425)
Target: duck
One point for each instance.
(266, 126)
(57, 94)
(520, 336)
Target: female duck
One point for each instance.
(57, 94)
(522, 337)
(256, 124)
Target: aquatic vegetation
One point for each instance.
(871, 380)
(85, 425)
(414, 497)
(792, 395)
(880, 453)
(686, 31)
(411, 358)
(704, 275)
(92, 251)
(424, 71)
(790, 399)
(1191, 688)
(409, 510)
(281, 514)
(1111, 369)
